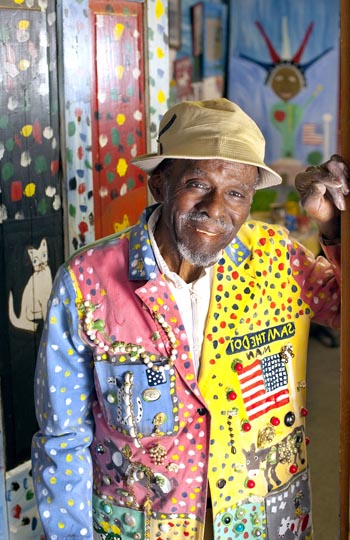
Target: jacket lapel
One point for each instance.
(157, 296)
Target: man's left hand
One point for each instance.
(322, 191)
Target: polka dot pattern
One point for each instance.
(83, 199)
(261, 303)
(29, 116)
(145, 434)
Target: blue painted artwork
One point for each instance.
(214, 39)
(283, 71)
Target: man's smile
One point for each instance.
(208, 233)
(209, 228)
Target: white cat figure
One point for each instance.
(36, 292)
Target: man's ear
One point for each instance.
(156, 185)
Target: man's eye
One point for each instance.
(237, 194)
(196, 184)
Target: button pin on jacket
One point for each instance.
(287, 353)
(157, 453)
(159, 419)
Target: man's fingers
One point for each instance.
(334, 190)
(340, 171)
(337, 195)
(329, 181)
(316, 192)
(316, 189)
(305, 182)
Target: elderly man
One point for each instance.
(170, 382)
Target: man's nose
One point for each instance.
(213, 204)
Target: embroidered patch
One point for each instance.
(128, 394)
(155, 377)
(246, 520)
(277, 462)
(288, 510)
(111, 521)
(264, 385)
(237, 251)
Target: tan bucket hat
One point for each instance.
(211, 129)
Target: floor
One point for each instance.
(323, 431)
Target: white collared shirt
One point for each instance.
(192, 298)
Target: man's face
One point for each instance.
(205, 202)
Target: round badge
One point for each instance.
(151, 394)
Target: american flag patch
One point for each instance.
(264, 385)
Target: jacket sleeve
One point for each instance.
(319, 280)
(64, 390)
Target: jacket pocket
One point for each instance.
(136, 399)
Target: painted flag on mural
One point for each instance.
(312, 134)
(264, 385)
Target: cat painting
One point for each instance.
(36, 292)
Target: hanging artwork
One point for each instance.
(175, 24)
(283, 70)
(214, 39)
(209, 39)
(183, 76)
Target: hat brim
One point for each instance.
(267, 176)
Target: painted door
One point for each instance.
(118, 114)
(93, 185)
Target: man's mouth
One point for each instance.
(208, 233)
(208, 227)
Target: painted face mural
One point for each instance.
(286, 78)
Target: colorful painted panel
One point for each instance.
(283, 70)
(74, 24)
(30, 251)
(78, 162)
(30, 205)
(118, 118)
(24, 521)
(29, 151)
(157, 82)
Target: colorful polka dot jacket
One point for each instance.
(130, 439)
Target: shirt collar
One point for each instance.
(142, 262)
